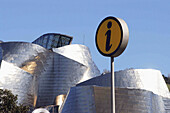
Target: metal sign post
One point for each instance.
(112, 36)
(112, 86)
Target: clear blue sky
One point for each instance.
(148, 22)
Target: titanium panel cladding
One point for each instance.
(63, 74)
(21, 64)
(18, 81)
(38, 75)
(93, 99)
(20, 52)
(70, 65)
(147, 79)
(81, 54)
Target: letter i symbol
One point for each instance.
(108, 34)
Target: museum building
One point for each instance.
(53, 74)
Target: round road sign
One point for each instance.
(112, 36)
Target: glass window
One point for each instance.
(53, 40)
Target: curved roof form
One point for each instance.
(147, 79)
(53, 40)
(45, 73)
(81, 54)
(18, 53)
(22, 63)
(94, 99)
(20, 82)
(68, 69)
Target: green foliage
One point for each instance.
(168, 86)
(167, 80)
(8, 103)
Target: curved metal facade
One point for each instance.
(38, 75)
(42, 76)
(93, 99)
(137, 91)
(27, 56)
(21, 65)
(81, 54)
(18, 81)
(62, 74)
(147, 79)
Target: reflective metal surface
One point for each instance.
(53, 40)
(42, 77)
(93, 99)
(167, 104)
(18, 81)
(40, 110)
(19, 53)
(79, 100)
(22, 82)
(147, 79)
(58, 78)
(65, 72)
(52, 108)
(59, 100)
(37, 75)
(81, 54)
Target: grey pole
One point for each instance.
(112, 86)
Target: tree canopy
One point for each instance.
(9, 104)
